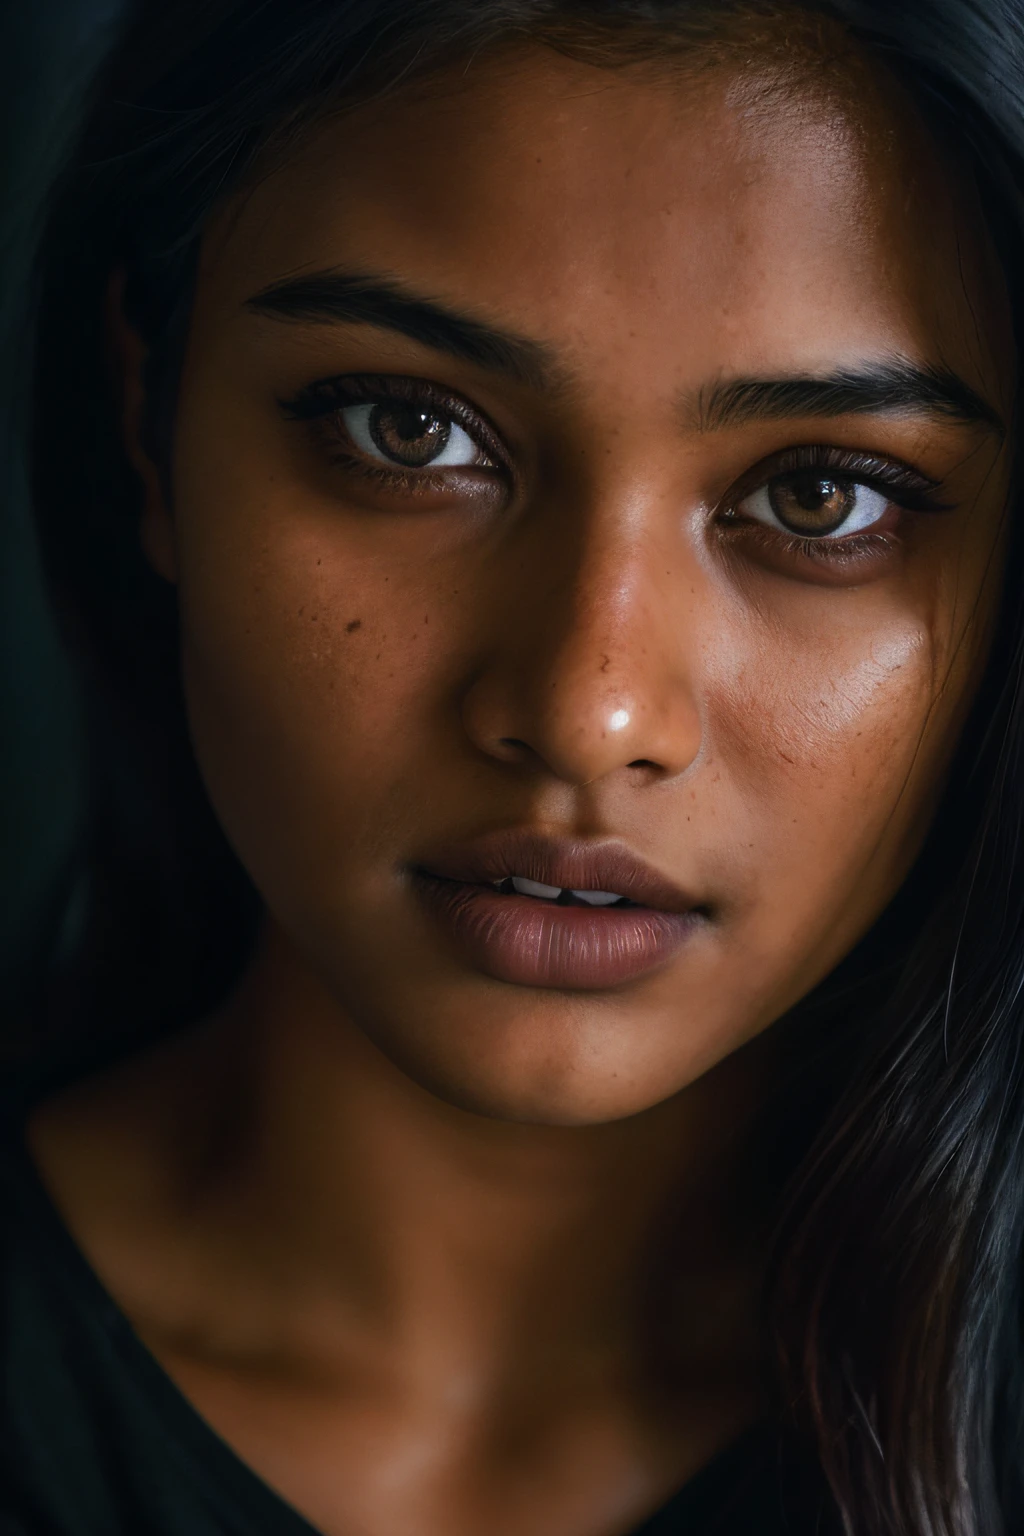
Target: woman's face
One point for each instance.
(589, 479)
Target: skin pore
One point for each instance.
(398, 1225)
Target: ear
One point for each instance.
(128, 355)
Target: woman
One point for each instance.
(561, 1072)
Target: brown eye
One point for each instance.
(408, 435)
(814, 504)
(810, 503)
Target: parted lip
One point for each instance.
(576, 863)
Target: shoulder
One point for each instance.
(46, 1387)
(84, 1447)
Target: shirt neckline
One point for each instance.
(221, 1472)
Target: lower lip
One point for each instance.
(538, 944)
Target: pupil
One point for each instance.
(811, 503)
(812, 495)
(408, 434)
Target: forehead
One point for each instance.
(697, 218)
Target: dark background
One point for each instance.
(48, 50)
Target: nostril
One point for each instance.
(513, 750)
(641, 762)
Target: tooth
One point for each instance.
(597, 898)
(534, 888)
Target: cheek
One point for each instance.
(833, 722)
(833, 763)
(310, 677)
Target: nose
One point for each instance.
(589, 666)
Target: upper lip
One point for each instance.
(573, 863)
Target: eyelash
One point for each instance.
(319, 404)
(904, 487)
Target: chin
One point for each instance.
(555, 1061)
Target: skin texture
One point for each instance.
(390, 1222)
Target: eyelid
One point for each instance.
(326, 396)
(906, 486)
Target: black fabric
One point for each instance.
(96, 1440)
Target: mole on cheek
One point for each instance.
(353, 624)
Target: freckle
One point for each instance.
(302, 610)
(313, 618)
(318, 562)
(426, 618)
(605, 663)
(352, 625)
(377, 657)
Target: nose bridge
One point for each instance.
(595, 637)
(590, 672)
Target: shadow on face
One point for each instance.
(588, 511)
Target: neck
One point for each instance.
(444, 1230)
(329, 1187)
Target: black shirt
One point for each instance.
(96, 1440)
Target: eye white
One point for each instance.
(868, 508)
(459, 449)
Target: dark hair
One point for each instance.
(895, 1288)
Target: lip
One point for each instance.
(533, 943)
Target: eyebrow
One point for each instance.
(892, 385)
(332, 297)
